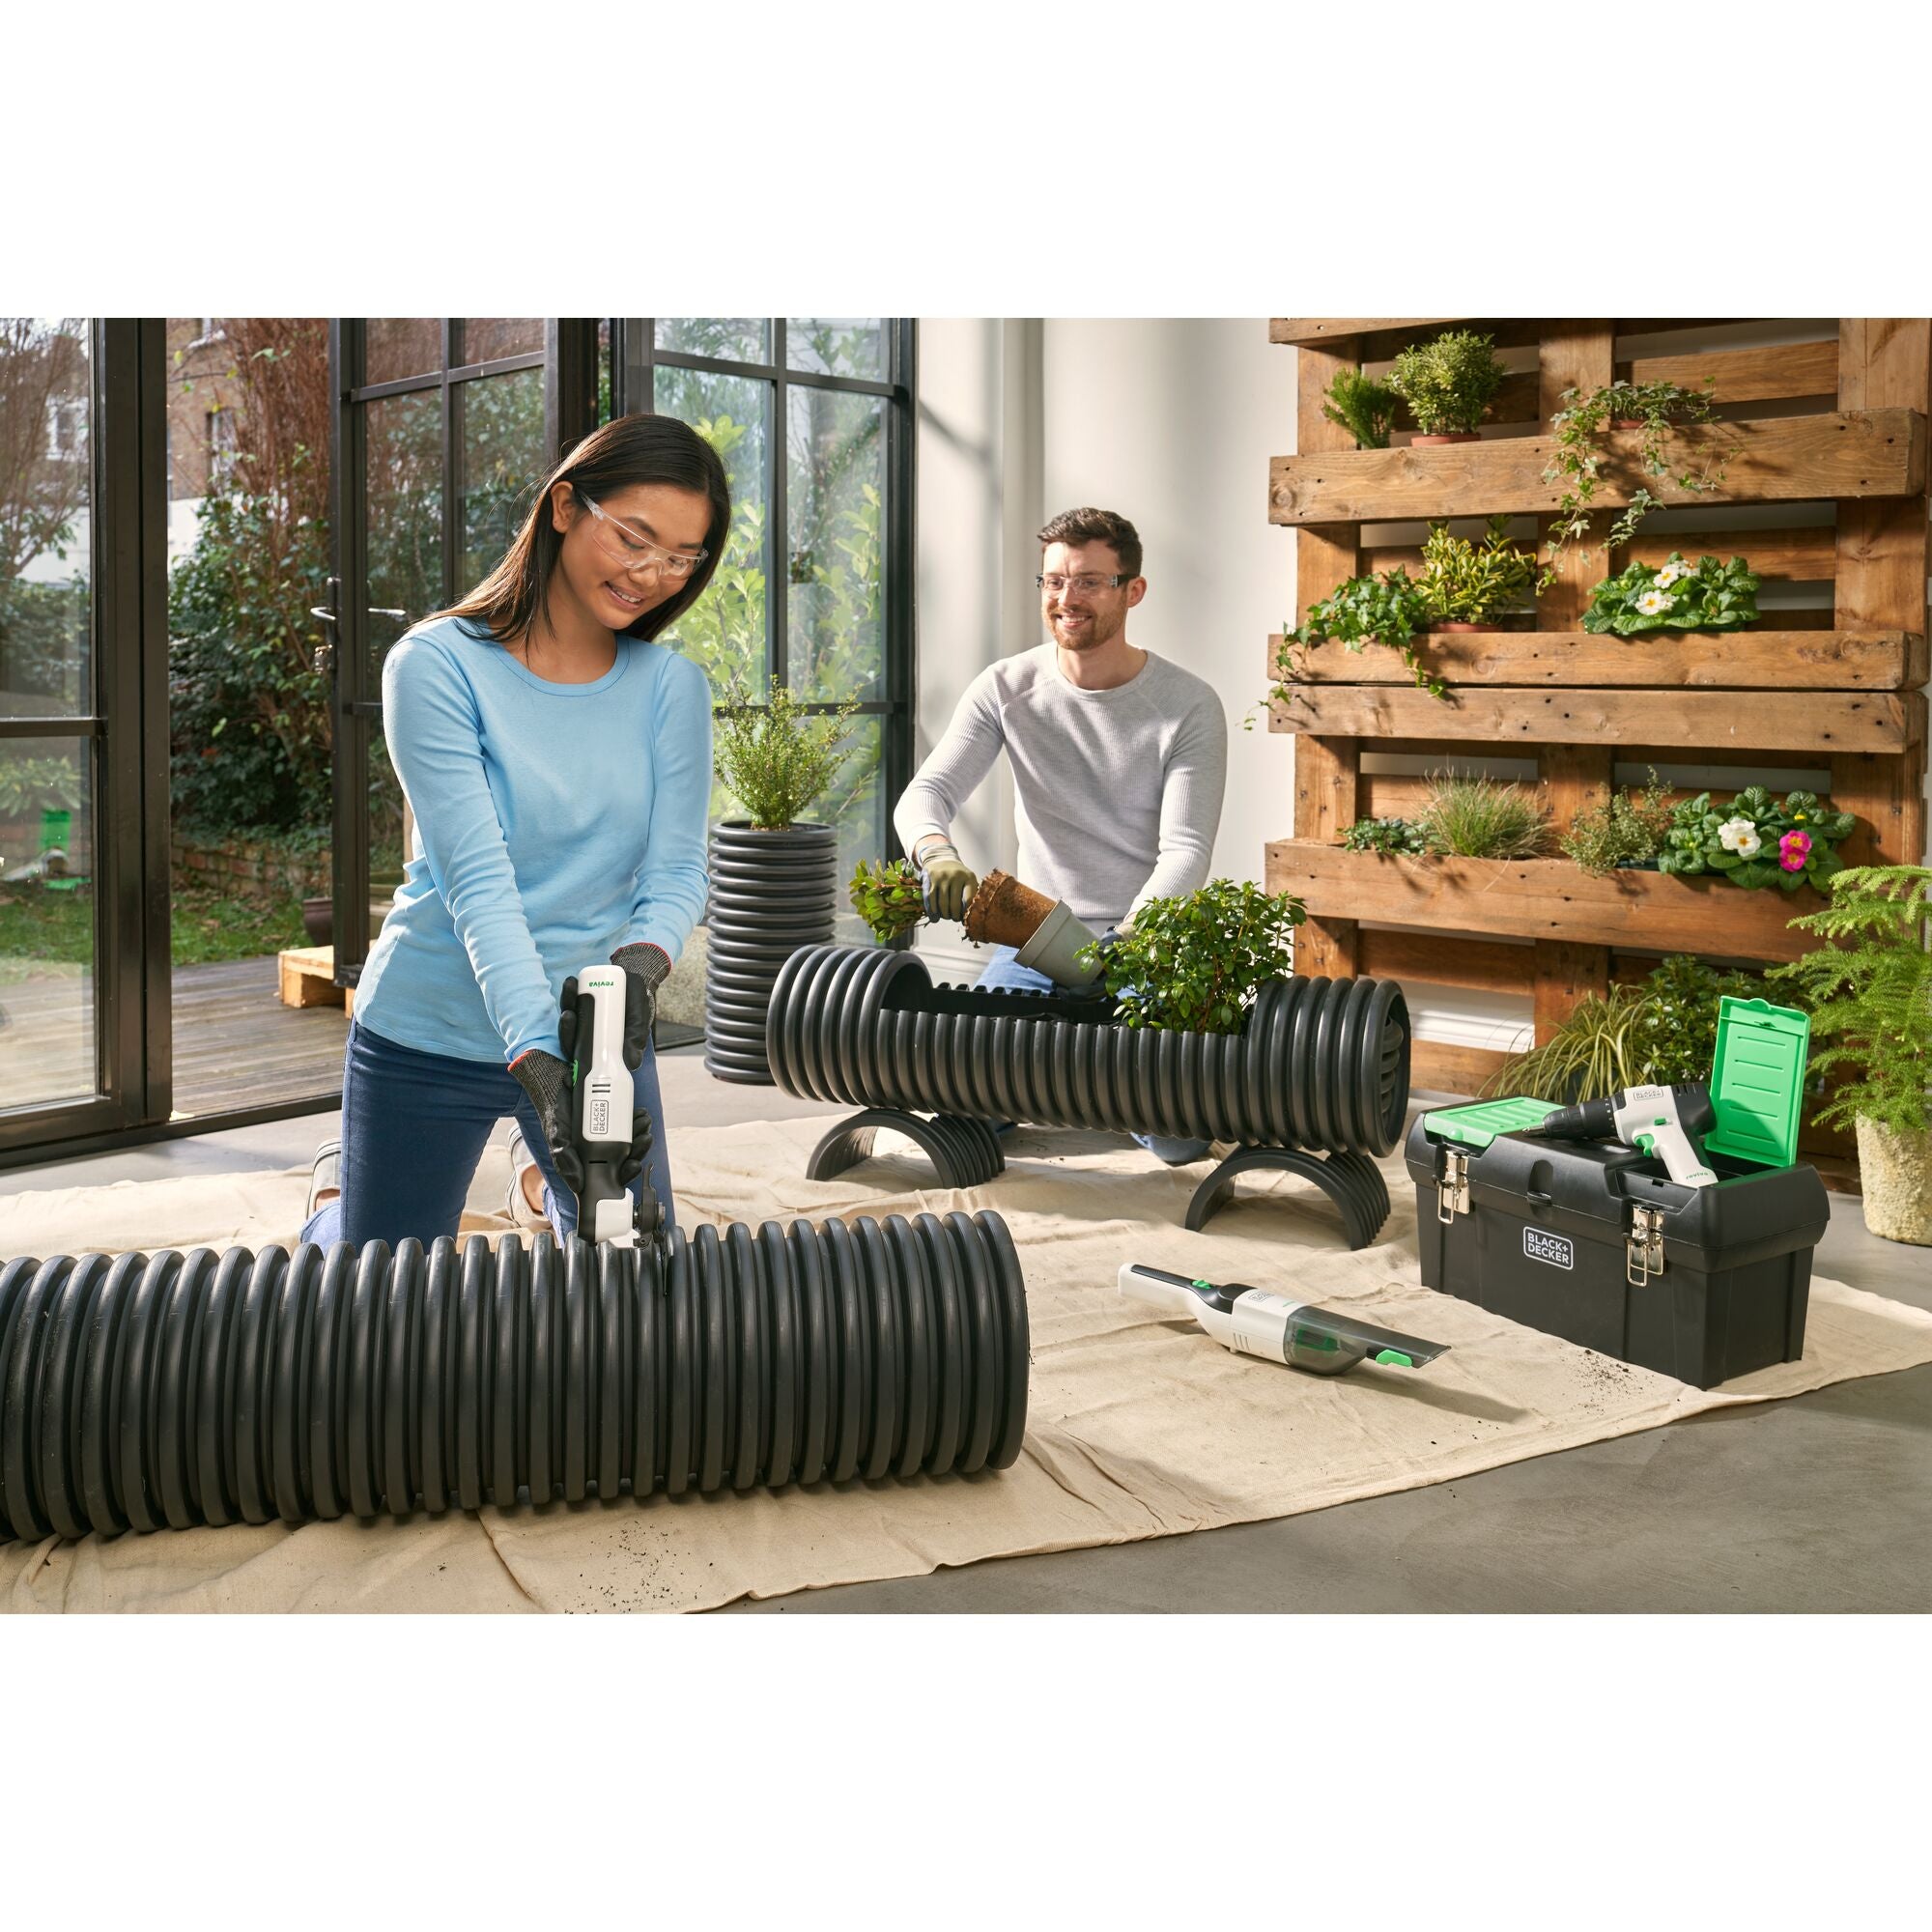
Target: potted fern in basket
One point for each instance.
(774, 878)
(1871, 987)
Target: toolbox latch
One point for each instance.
(1643, 1251)
(1452, 1190)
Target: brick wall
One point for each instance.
(247, 870)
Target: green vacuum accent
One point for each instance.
(1391, 1358)
(1477, 1125)
(1757, 1081)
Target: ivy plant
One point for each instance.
(1707, 595)
(1757, 841)
(1194, 963)
(1578, 429)
(1385, 609)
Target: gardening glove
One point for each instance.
(545, 1079)
(949, 884)
(644, 969)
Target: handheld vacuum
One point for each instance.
(1259, 1322)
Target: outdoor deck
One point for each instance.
(236, 1045)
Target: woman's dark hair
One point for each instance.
(631, 449)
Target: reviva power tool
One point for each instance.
(601, 1107)
(1259, 1322)
(1663, 1120)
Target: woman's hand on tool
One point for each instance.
(645, 968)
(545, 1079)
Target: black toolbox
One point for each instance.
(1595, 1243)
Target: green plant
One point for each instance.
(1465, 583)
(777, 754)
(1483, 818)
(1870, 989)
(1448, 384)
(1395, 835)
(1388, 608)
(1578, 429)
(888, 896)
(1363, 407)
(1707, 595)
(1628, 828)
(1658, 1032)
(1194, 963)
(1757, 841)
(28, 786)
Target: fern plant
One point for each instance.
(1871, 994)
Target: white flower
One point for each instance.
(1669, 575)
(1652, 603)
(1739, 835)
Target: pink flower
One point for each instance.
(1793, 849)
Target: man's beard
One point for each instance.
(1096, 632)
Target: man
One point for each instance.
(1118, 759)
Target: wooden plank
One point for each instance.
(1690, 660)
(1437, 1067)
(1544, 899)
(1751, 375)
(1803, 555)
(1296, 333)
(1566, 974)
(1793, 720)
(1482, 966)
(1857, 453)
(1883, 558)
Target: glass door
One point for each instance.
(83, 1045)
(442, 437)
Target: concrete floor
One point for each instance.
(1823, 1502)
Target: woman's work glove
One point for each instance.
(950, 884)
(644, 969)
(545, 1079)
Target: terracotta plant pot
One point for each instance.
(1450, 435)
(1002, 912)
(1895, 1174)
(1462, 627)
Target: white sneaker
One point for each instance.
(516, 1205)
(326, 1173)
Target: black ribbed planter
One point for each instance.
(1317, 1080)
(206, 1388)
(770, 894)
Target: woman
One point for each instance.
(558, 762)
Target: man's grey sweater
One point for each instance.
(1118, 792)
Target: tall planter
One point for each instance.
(772, 892)
(1895, 1174)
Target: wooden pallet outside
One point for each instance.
(306, 977)
(1836, 429)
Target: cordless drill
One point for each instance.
(599, 1112)
(1667, 1122)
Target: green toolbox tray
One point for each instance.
(1476, 1126)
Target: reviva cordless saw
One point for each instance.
(1667, 1122)
(601, 1109)
(1260, 1322)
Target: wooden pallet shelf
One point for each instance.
(1835, 430)
(1743, 661)
(1849, 454)
(1812, 722)
(1543, 899)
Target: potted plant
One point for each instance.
(1757, 841)
(1870, 992)
(1394, 838)
(888, 896)
(1483, 818)
(774, 878)
(1654, 410)
(1363, 407)
(1626, 830)
(1467, 584)
(1707, 595)
(1448, 384)
(1194, 963)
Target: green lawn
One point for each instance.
(39, 924)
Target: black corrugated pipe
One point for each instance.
(772, 892)
(217, 1388)
(1319, 1066)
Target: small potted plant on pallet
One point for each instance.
(1757, 841)
(1707, 595)
(1363, 407)
(1625, 833)
(1392, 837)
(1483, 818)
(1870, 990)
(1448, 385)
(1467, 586)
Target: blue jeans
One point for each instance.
(414, 1128)
(1003, 969)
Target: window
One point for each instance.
(813, 418)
